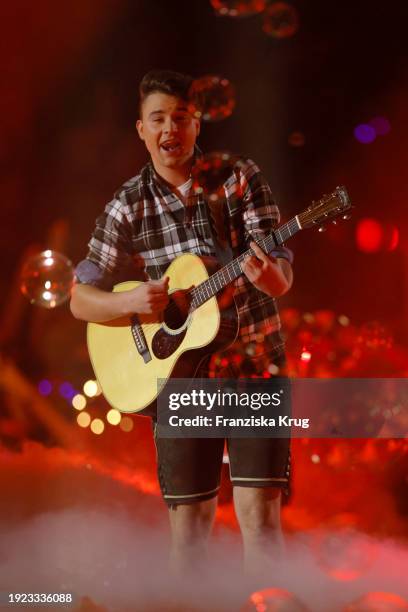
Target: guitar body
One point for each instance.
(133, 357)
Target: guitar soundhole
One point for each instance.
(166, 341)
(176, 313)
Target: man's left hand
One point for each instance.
(267, 273)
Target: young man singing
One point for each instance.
(150, 221)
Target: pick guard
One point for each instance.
(165, 344)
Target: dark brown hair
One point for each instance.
(164, 81)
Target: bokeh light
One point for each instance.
(79, 401)
(374, 335)
(211, 98)
(369, 235)
(296, 139)
(378, 601)
(45, 387)
(339, 348)
(238, 8)
(394, 241)
(273, 600)
(381, 125)
(373, 236)
(46, 279)
(210, 173)
(67, 390)
(97, 426)
(90, 388)
(305, 356)
(98, 389)
(343, 555)
(281, 20)
(83, 419)
(113, 417)
(324, 319)
(309, 317)
(126, 424)
(365, 133)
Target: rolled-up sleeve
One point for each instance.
(110, 249)
(283, 252)
(88, 273)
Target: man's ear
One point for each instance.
(139, 127)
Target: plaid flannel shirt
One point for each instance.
(146, 226)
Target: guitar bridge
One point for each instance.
(140, 339)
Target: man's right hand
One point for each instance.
(149, 297)
(90, 303)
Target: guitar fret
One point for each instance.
(210, 287)
(270, 243)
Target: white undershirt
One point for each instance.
(185, 187)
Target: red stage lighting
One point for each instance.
(369, 235)
(394, 240)
(305, 355)
(372, 236)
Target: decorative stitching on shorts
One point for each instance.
(193, 495)
(259, 479)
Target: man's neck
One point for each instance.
(175, 177)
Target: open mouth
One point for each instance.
(171, 146)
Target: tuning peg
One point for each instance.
(346, 217)
(322, 229)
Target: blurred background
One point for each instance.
(318, 95)
(69, 104)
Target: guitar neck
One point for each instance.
(223, 277)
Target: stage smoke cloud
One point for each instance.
(69, 527)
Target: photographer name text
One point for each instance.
(251, 421)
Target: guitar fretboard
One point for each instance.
(223, 277)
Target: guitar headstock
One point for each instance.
(328, 208)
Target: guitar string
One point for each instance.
(209, 285)
(223, 276)
(206, 286)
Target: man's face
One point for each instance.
(168, 130)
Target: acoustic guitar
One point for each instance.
(133, 357)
